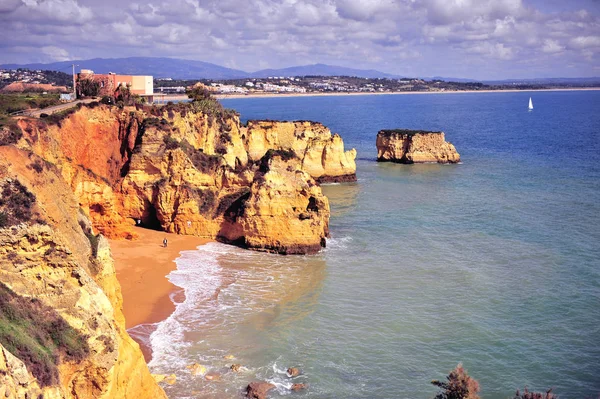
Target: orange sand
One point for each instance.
(142, 266)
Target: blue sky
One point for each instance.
(480, 39)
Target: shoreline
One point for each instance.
(142, 266)
(271, 95)
(161, 100)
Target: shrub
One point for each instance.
(285, 155)
(203, 162)
(10, 134)
(171, 143)
(88, 87)
(159, 123)
(94, 239)
(108, 100)
(38, 166)
(16, 203)
(535, 395)
(58, 117)
(458, 386)
(206, 201)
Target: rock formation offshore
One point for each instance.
(414, 146)
(69, 181)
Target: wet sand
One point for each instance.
(142, 266)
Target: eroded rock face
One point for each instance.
(321, 154)
(414, 146)
(67, 281)
(286, 211)
(97, 171)
(188, 172)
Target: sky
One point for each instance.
(478, 39)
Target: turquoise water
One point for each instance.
(494, 263)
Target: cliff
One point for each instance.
(69, 180)
(194, 169)
(321, 154)
(62, 331)
(414, 146)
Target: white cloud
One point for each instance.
(467, 38)
(552, 46)
(584, 42)
(56, 53)
(498, 50)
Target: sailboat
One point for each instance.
(530, 104)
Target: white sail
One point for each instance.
(530, 104)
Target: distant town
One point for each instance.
(24, 80)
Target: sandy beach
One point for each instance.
(142, 266)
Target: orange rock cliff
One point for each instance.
(195, 172)
(66, 183)
(62, 330)
(414, 146)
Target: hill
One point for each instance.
(322, 70)
(161, 67)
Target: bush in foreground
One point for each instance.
(458, 385)
(535, 395)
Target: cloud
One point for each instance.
(55, 11)
(552, 46)
(584, 42)
(444, 12)
(8, 6)
(56, 53)
(365, 10)
(497, 51)
(470, 38)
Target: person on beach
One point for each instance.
(165, 243)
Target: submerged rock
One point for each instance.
(197, 369)
(213, 376)
(258, 389)
(236, 368)
(298, 387)
(414, 146)
(171, 379)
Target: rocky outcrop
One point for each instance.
(414, 146)
(258, 389)
(197, 171)
(96, 169)
(321, 154)
(66, 325)
(293, 372)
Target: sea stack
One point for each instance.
(414, 146)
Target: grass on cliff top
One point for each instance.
(38, 336)
(406, 132)
(18, 102)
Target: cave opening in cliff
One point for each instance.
(150, 220)
(312, 205)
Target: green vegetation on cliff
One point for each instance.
(38, 336)
(16, 203)
(406, 132)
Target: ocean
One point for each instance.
(493, 263)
